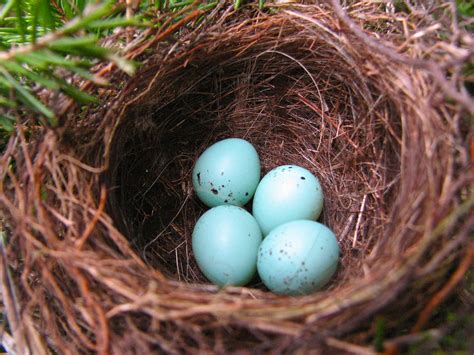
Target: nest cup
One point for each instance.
(295, 97)
(303, 89)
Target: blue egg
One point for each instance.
(227, 173)
(285, 194)
(298, 257)
(225, 243)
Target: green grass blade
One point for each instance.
(7, 123)
(237, 4)
(34, 22)
(6, 102)
(116, 22)
(6, 9)
(67, 9)
(46, 57)
(71, 42)
(465, 8)
(20, 21)
(78, 95)
(4, 84)
(88, 51)
(29, 99)
(80, 5)
(47, 15)
(95, 15)
(14, 67)
(32, 60)
(8, 30)
(179, 5)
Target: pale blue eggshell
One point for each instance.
(298, 257)
(227, 173)
(225, 243)
(285, 194)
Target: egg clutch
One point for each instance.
(292, 253)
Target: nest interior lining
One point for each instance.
(297, 101)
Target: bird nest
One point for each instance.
(99, 213)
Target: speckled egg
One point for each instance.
(298, 257)
(227, 173)
(225, 243)
(285, 194)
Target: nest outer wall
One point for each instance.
(102, 257)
